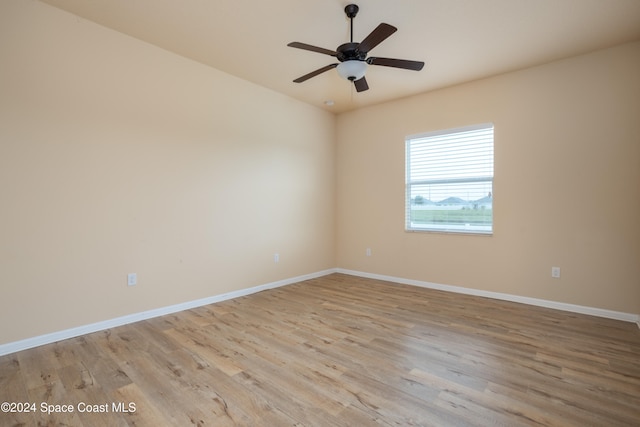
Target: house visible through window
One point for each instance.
(449, 183)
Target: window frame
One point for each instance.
(447, 228)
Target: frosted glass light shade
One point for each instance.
(352, 70)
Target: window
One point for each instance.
(449, 184)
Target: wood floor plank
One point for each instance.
(340, 351)
(13, 389)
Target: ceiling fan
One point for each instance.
(353, 56)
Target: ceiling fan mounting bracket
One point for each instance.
(351, 10)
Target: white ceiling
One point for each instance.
(459, 40)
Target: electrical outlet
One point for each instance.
(368, 251)
(555, 272)
(132, 279)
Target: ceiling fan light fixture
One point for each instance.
(352, 70)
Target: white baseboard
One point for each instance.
(599, 312)
(13, 347)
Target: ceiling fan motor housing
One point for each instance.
(349, 52)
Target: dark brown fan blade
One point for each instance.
(315, 73)
(312, 48)
(397, 63)
(376, 37)
(361, 85)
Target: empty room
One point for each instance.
(320, 213)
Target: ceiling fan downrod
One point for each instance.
(351, 10)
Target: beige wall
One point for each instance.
(567, 184)
(119, 157)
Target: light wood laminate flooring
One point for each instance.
(338, 351)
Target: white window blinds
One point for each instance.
(449, 183)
